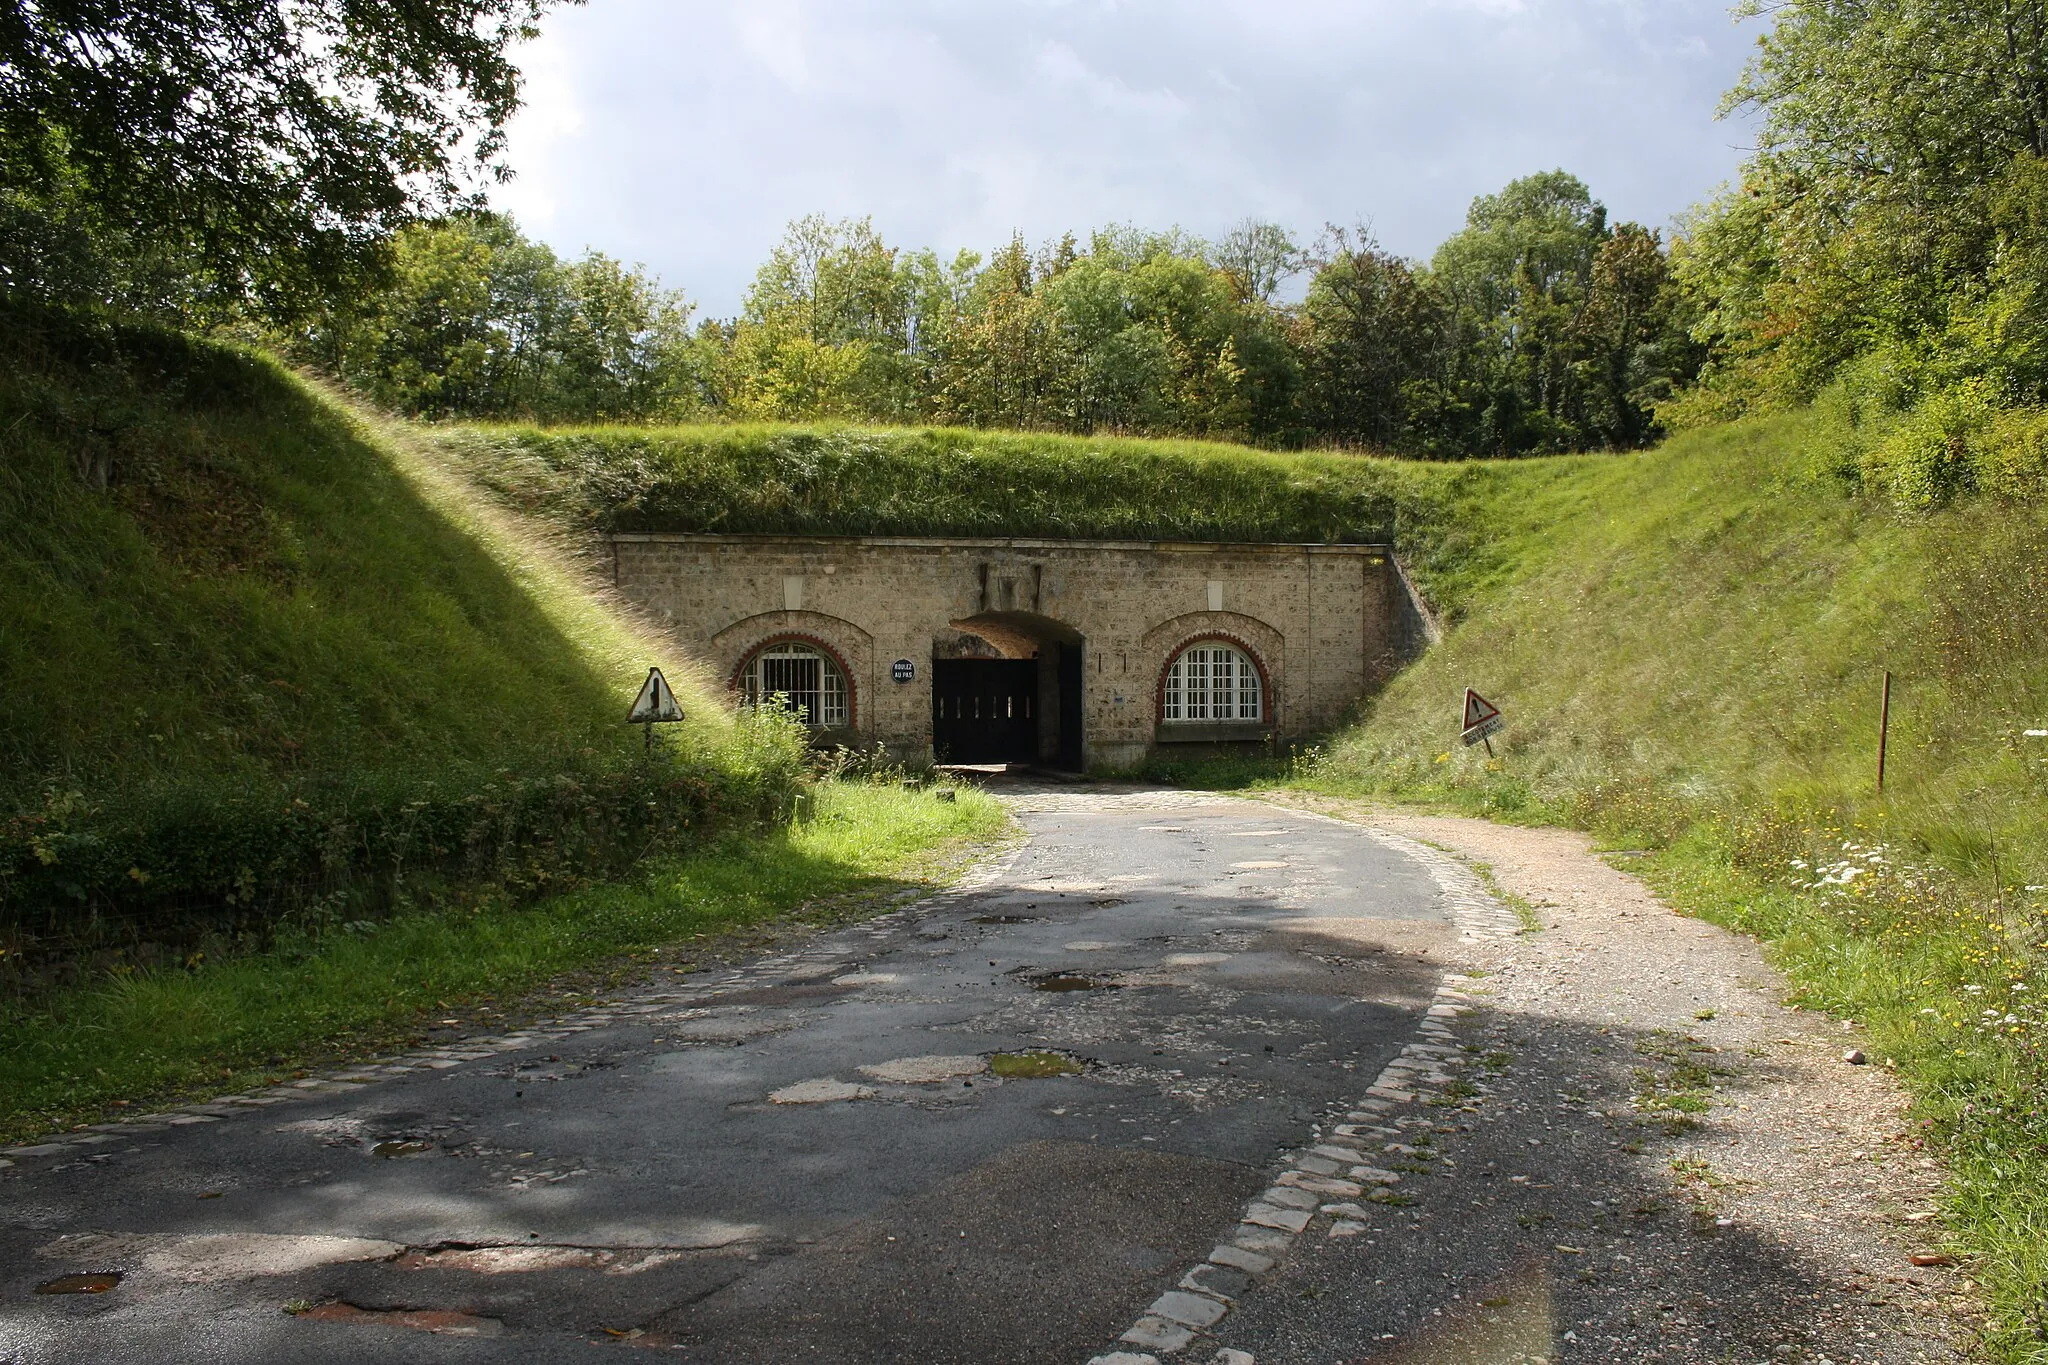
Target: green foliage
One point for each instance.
(1538, 329)
(259, 661)
(1890, 237)
(478, 321)
(329, 989)
(271, 147)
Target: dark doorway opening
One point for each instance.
(985, 710)
(1007, 688)
(1069, 752)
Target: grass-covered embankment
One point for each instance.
(843, 480)
(1689, 645)
(265, 668)
(310, 999)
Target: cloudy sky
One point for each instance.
(684, 134)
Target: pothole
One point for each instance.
(924, 1070)
(440, 1321)
(399, 1147)
(525, 1259)
(825, 1090)
(1035, 1066)
(94, 1282)
(1068, 981)
(1008, 919)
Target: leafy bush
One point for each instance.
(157, 870)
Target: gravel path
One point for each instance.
(1657, 1159)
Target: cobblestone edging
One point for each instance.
(1328, 1175)
(347, 1080)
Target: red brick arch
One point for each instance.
(737, 682)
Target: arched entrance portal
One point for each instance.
(1006, 688)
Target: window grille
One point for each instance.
(1213, 683)
(801, 677)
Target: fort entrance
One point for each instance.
(1074, 654)
(1007, 688)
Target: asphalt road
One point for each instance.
(990, 1128)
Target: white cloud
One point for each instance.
(685, 133)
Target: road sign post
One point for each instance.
(656, 705)
(1482, 721)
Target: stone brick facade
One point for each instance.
(1323, 624)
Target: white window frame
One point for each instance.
(1213, 683)
(777, 671)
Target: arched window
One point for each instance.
(802, 677)
(1213, 682)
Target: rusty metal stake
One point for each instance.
(1884, 726)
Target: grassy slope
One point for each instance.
(1688, 644)
(1705, 621)
(875, 481)
(266, 587)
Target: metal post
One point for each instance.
(1884, 726)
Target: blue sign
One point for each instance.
(903, 670)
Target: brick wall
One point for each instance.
(1324, 623)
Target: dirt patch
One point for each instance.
(440, 1321)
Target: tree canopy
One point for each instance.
(250, 150)
(1538, 327)
(1888, 242)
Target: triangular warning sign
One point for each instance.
(1478, 710)
(656, 702)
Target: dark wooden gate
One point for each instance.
(985, 710)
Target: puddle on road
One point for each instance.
(399, 1147)
(97, 1282)
(1035, 1066)
(1067, 981)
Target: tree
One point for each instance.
(827, 329)
(1867, 221)
(279, 142)
(1514, 280)
(1632, 348)
(1260, 256)
(475, 320)
(1371, 334)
